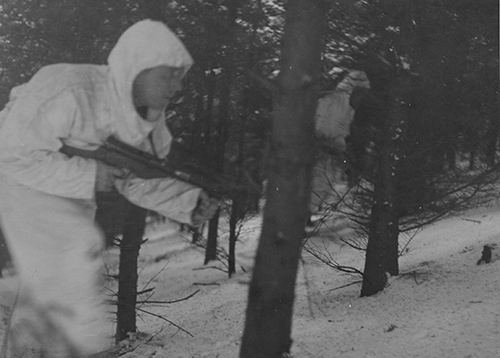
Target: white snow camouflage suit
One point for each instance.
(332, 121)
(47, 199)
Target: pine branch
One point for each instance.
(165, 319)
(169, 302)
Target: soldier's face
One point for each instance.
(155, 87)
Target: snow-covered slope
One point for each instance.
(442, 306)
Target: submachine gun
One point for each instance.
(147, 166)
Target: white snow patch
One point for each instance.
(442, 305)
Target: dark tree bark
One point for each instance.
(492, 139)
(224, 113)
(233, 223)
(396, 89)
(213, 233)
(271, 294)
(383, 250)
(393, 249)
(110, 215)
(451, 158)
(213, 224)
(133, 232)
(472, 159)
(210, 85)
(4, 253)
(240, 203)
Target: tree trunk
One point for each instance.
(213, 232)
(224, 115)
(239, 205)
(271, 295)
(451, 158)
(472, 159)
(393, 249)
(133, 232)
(196, 127)
(110, 215)
(492, 139)
(237, 214)
(4, 253)
(213, 225)
(233, 223)
(383, 250)
(210, 85)
(377, 261)
(398, 91)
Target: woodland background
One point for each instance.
(425, 136)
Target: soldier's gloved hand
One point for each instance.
(205, 209)
(106, 176)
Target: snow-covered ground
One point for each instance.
(442, 306)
